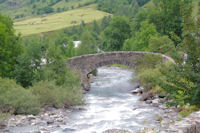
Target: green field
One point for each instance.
(58, 21)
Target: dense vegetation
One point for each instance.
(167, 27)
(37, 62)
(34, 75)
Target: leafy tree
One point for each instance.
(183, 79)
(140, 40)
(96, 27)
(9, 47)
(118, 7)
(170, 12)
(88, 44)
(29, 64)
(70, 50)
(115, 34)
(166, 15)
(161, 45)
(105, 22)
(62, 42)
(135, 7)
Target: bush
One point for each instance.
(15, 99)
(50, 94)
(148, 78)
(187, 110)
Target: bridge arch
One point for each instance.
(87, 63)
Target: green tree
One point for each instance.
(10, 48)
(140, 40)
(183, 79)
(29, 64)
(115, 34)
(170, 12)
(96, 27)
(135, 7)
(161, 45)
(70, 50)
(88, 44)
(105, 22)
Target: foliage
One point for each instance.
(15, 99)
(182, 81)
(88, 44)
(148, 71)
(29, 64)
(188, 110)
(115, 34)
(140, 40)
(120, 8)
(9, 47)
(166, 15)
(49, 94)
(161, 45)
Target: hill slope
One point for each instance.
(58, 21)
(22, 8)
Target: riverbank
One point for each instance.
(171, 119)
(110, 108)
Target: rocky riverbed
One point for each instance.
(112, 106)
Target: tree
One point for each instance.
(105, 22)
(183, 79)
(96, 28)
(115, 34)
(29, 64)
(88, 44)
(70, 51)
(140, 40)
(10, 48)
(161, 45)
(135, 7)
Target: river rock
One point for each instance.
(148, 101)
(68, 130)
(116, 131)
(2, 125)
(147, 96)
(137, 91)
(50, 122)
(155, 102)
(31, 117)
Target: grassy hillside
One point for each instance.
(57, 21)
(23, 8)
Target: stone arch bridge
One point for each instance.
(87, 63)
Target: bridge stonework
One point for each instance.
(87, 63)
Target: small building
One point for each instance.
(76, 43)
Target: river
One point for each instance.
(109, 105)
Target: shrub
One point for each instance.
(187, 110)
(148, 78)
(50, 94)
(14, 98)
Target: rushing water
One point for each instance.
(109, 105)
